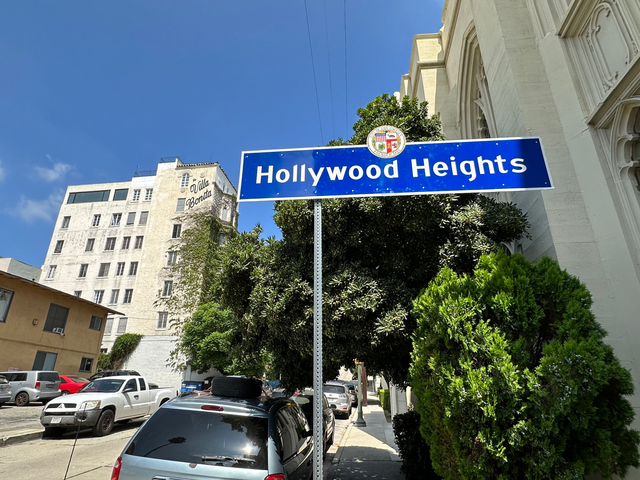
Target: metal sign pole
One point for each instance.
(317, 340)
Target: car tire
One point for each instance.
(53, 432)
(22, 399)
(325, 448)
(330, 439)
(104, 425)
(64, 392)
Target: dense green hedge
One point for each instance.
(385, 399)
(122, 348)
(513, 377)
(414, 451)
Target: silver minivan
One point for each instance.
(339, 398)
(5, 390)
(33, 386)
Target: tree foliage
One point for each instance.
(513, 378)
(378, 253)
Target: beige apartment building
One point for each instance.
(112, 243)
(568, 72)
(44, 329)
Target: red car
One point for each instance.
(71, 384)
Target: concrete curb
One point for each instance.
(19, 436)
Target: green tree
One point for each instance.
(378, 253)
(207, 342)
(513, 378)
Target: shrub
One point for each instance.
(385, 399)
(513, 378)
(104, 362)
(416, 459)
(122, 348)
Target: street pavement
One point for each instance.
(357, 453)
(367, 452)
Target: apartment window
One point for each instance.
(59, 245)
(133, 268)
(83, 270)
(56, 319)
(166, 289)
(138, 243)
(77, 293)
(177, 230)
(52, 271)
(162, 321)
(125, 243)
(184, 181)
(114, 296)
(180, 205)
(172, 258)
(111, 243)
(120, 269)
(89, 197)
(65, 222)
(86, 364)
(104, 270)
(128, 295)
(115, 219)
(97, 296)
(122, 326)
(45, 361)
(120, 194)
(96, 220)
(5, 302)
(95, 323)
(89, 246)
(136, 195)
(131, 218)
(108, 326)
(148, 193)
(143, 218)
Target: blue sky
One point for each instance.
(92, 91)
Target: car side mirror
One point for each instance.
(129, 389)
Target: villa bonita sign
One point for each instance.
(388, 165)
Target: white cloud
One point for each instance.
(52, 174)
(2, 172)
(46, 210)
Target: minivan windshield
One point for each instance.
(203, 437)
(109, 386)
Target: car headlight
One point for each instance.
(90, 405)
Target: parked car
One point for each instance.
(33, 386)
(305, 401)
(233, 432)
(112, 373)
(339, 398)
(5, 391)
(71, 384)
(353, 391)
(102, 403)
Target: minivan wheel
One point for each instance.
(22, 399)
(104, 425)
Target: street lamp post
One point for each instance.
(360, 421)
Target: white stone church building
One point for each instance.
(567, 71)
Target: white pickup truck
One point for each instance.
(102, 403)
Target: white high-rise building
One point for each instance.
(112, 245)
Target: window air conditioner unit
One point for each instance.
(58, 330)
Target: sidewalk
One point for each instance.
(367, 452)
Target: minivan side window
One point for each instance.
(17, 377)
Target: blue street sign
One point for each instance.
(491, 165)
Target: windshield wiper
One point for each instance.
(222, 458)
